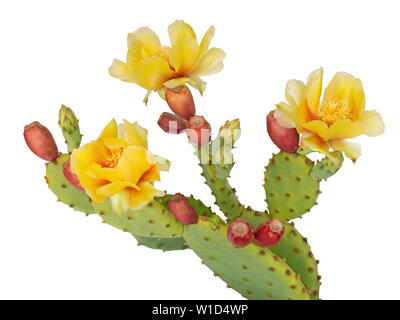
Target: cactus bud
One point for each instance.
(287, 139)
(198, 131)
(40, 140)
(182, 210)
(71, 178)
(230, 132)
(170, 123)
(180, 100)
(67, 119)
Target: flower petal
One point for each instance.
(205, 42)
(176, 82)
(120, 70)
(140, 198)
(162, 163)
(113, 188)
(294, 92)
(134, 134)
(180, 30)
(183, 55)
(148, 39)
(111, 130)
(109, 174)
(153, 72)
(344, 129)
(314, 143)
(372, 124)
(352, 150)
(120, 202)
(134, 162)
(285, 115)
(209, 63)
(153, 174)
(313, 89)
(317, 127)
(114, 143)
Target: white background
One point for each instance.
(55, 52)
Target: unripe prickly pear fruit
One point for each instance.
(71, 177)
(181, 102)
(287, 139)
(240, 233)
(170, 123)
(269, 233)
(198, 131)
(230, 132)
(182, 210)
(40, 140)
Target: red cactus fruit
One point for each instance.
(269, 233)
(40, 140)
(286, 139)
(198, 131)
(181, 102)
(71, 177)
(170, 123)
(240, 233)
(182, 210)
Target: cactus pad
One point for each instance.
(64, 191)
(165, 244)
(290, 190)
(326, 168)
(256, 273)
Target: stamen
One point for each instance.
(331, 110)
(113, 157)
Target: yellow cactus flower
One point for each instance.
(327, 123)
(156, 67)
(118, 166)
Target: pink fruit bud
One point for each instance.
(198, 131)
(40, 140)
(182, 210)
(269, 233)
(171, 123)
(240, 233)
(180, 100)
(286, 139)
(71, 178)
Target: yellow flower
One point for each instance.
(156, 67)
(327, 123)
(118, 166)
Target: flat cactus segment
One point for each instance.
(294, 248)
(256, 273)
(64, 191)
(153, 220)
(326, 168)
(290, 190)
(72, 139)
(165, 244)
(224, 194)
(298, 255)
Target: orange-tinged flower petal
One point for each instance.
(153, 72)
(205, 42)
(148, 39)
(352, 150)
(138, 199)
(294, 92)
(303, 113)
(111, 130)
(313, 89)
(113, 188)
(180, 30)
(153, 174)
(183, 55)
(317, 127)
(210, 62)
(314, 143)
(135, 161)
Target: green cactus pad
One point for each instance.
(256, 273)
(326, 168)
(290, 190)
(153, 220)
(165, 244)
(72, 139)
(64, 191)
(293, 248)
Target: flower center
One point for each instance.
(331, 110)
(113, 157)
